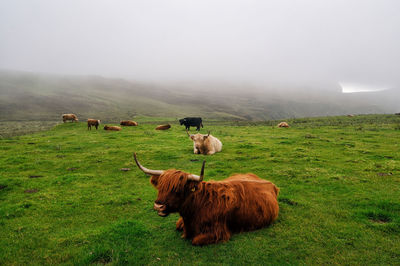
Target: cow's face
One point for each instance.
(173, 187)
(198, 141)
(181, 121)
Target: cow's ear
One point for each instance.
(205, 137)
(154, 180)
(192, 137)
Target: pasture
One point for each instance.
(64, 198)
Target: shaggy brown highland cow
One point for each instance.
(128, 123)
(112, 128)
(71, 117)
(93, 123)
(163, 127)
(211, 211)
(283, 124)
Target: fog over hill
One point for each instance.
(33, 96)
(231, 59)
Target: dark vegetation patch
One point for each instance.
(101, 256)
(34, 190)
(35, 176)
(287, 201)
(26, 205)
(385, 174)
(3, 186)
(72, 168)
(378, 217)
(383, 215)
(246, 146)
(120, 202)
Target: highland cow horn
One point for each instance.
(196, 177)
(202, 171)
(187, 133)
(145, 170)
(208, 133)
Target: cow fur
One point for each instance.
(112, 128)
(211, 211)
(205, 144)
(69, 117)
(163, 127)
(191, 121)
(93, 122)
(128, 123)
(283, 124)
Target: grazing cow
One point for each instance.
(128, 123)
(211, 211)
(93, 122)
(205, 144)
(191, 121)
(283, 124)
(397, 113)
(163, 127)
(350, 115)
(70, 117)
(112, 128)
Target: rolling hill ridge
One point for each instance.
(32, 96)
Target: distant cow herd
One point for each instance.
(209, 211)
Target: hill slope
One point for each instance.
(30, 96)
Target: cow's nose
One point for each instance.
(159, 207)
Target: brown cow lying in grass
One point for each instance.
(205, 144)
(112, 128)
(211, 211)
(93, 122)
(283, 124)
(163, 127)
(128, 123)
(69, 117)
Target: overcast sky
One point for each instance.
(304, 42)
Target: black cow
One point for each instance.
(191, 122)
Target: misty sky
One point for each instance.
(261, 42)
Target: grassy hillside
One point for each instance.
(64, 199)
(29, 96)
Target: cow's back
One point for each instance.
(257, 203)
(193, 121)
(213, 144)
(66, 117)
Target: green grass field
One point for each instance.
(64, 199)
